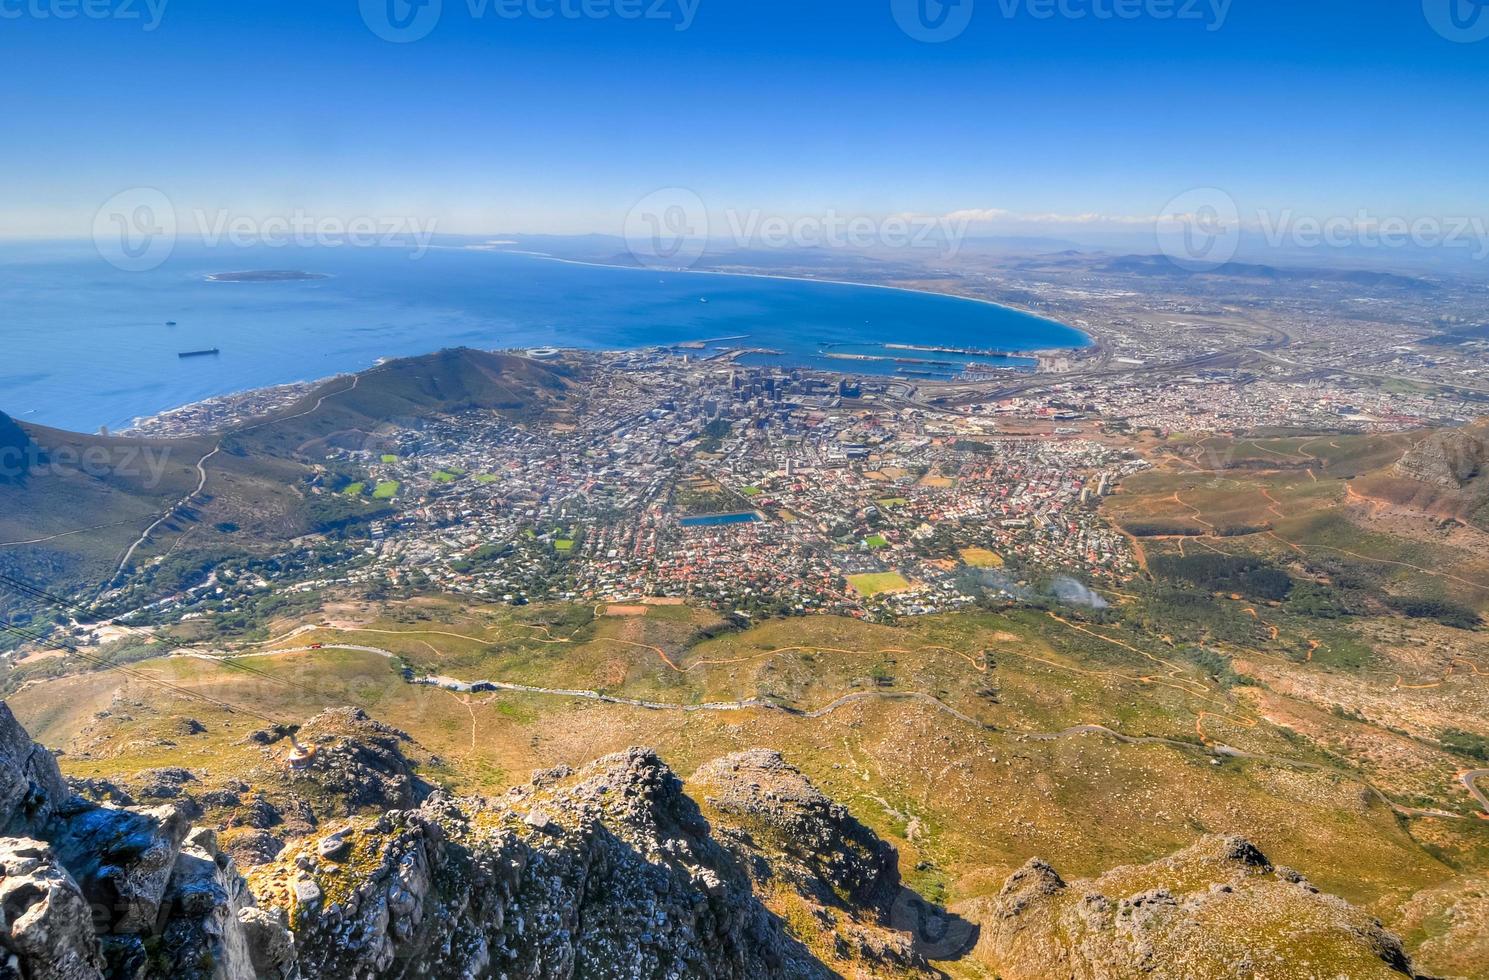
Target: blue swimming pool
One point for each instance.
(714, 520)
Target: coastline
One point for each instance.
(216, 412)
(200, 417)
(1090, 340)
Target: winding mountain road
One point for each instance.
(1470, 779)
(61, 534)
(201, 469)
(201, 484)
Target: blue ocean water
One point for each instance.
(84, 345)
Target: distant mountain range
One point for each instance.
(1159, 265)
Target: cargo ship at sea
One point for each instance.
(210, 352)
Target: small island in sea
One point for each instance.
(270, 275)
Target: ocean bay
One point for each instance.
(89, 345)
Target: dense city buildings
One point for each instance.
(753, 490)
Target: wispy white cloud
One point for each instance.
(1005, 216)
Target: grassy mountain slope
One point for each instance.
(73, 504)
(349, 411)
(968, 787)
(77, 501)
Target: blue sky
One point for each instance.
(519, 123)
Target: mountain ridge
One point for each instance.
(611, 869)
(237, 491)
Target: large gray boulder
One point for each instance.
(96, 890)
(212, 931)
(31, 787)
(122, 859)
(46, 926)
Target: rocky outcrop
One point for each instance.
(122, 859)
(359, 761)
(811, 858)
(31, 786)
(46, 925)
(824, 848)
(1218, 908)
(1452, 459)
(610, 871)
(1445, 477)
(213, 929)
(339, 763)
(92, 890)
